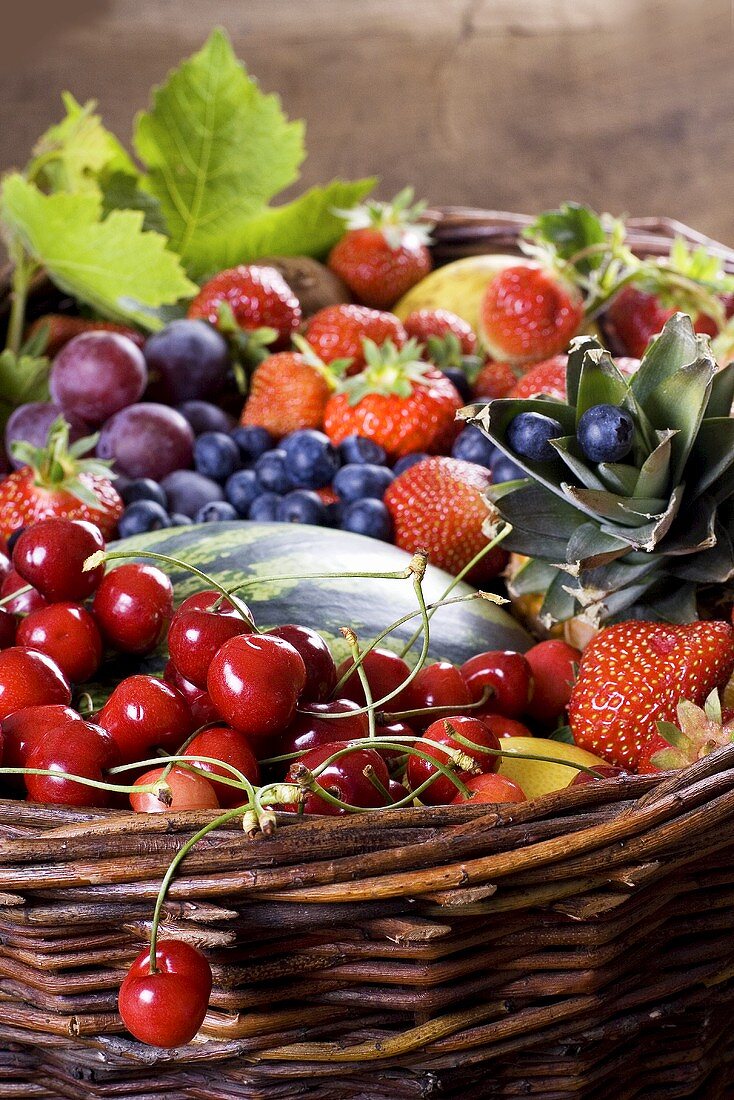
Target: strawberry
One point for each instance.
(289, 391)
(700, 730)
(495, 379)
(423, 323)
(547, 377)
(438, 505)
(56, 329)
(252, 298)
(58, 483)
(635, 674)
(527, 313)
(336, 332)
(636, 316)
(384, 250)
(399, 402)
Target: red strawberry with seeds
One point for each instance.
(635, 674)
(438, 505)
(421, 324)
(289, 391)
(337, 332)
(699, 731)
(528, 313)
(255, 296)
(495, 379)
(637, 316)
(547, 377)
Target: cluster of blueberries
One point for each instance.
(244, 473)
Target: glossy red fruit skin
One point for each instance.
(143, 712)
(394, 758)
(509, 676)
(197, 631)
(133, 607)
(167, 1008)
(320, 667)
(189, 791)
(442, 790)
(552, 665)
(385, 671)
(492, 788)
(29, 678)
(344, 778)
(50, 555)
(79, 748)
(501, 726)
(254, 682)
(5, 565)
(230, 746)
(68, 634)
(23, 730)
(605, 771)
(8, 629)
(437, 685)
(26, 602)
(396, 790)
(258, 296)
(202, 709)
(309, 732)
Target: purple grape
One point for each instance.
(205, 417)
(147, 440)
(31, 423)
(97, 374)
(187, 360)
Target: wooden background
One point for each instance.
(512, 104)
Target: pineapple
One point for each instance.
(635, 538)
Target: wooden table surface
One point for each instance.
(512, 104)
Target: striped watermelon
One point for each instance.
(231, 552)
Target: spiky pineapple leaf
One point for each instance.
(600, 383)
(590, 548)
(714, 565)
(675, 347)
(721, 398)
(712, 453)
(569, 450)
(654, 476)
(533, 576)
(577, 352)
(678, 403)
(560, 599)
(618, 477)
(647, 537)
(619, 509)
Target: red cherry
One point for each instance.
(396, 729)
(166, 1008)
(385, 672)
(143, 712)
(490, 787)
(67, 633)
(197, 631)
(396, 790)
(320, 667)
(507, 673)
(308, 731)
(25, 728)
(344, 778)
(8, 629)
(5, 565)
(230, 746)
(505, 727)
(26, 602)
(28, 679)
(254, 682)
(442, 790)
(133, 606)
(606, 771)
(438, 685)
(202, 709)
(78, 748)
(189, 791)
(552, 665)
(50, 555)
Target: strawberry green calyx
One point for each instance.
(389, 372)
(700, 731)
(330, 372)
(392, 219)
(445, 353)
(59, 464)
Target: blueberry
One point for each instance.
(504, 469)
(272, 471)
(264, 508)
(252, 442)
(301, 506)
(188, 491)
(407, 461)
(205, 417)
(216, 455)
(217, 511)
(312, 460)
(605, 433)
(528, 434)
(143, 488)
(368, 517)
(334, 513)
(355, 448)
(473, 446)
(357, 482)
(241, 489)
(178, 519)
(460, 381)
(142, 516)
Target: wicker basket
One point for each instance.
(575, 946)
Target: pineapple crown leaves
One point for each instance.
(657, 524)
(59, 464)
(700, 731)
(393, 219)
(390, 371)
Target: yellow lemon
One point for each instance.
(538, 777)
(459, 287)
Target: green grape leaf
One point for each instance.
(216, 149)
(121, 191)
(23, 378)
(113, 265)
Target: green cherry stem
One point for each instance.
(386, 718)
(353, 644)
(14, 595)
(98, 784)
(240, 781)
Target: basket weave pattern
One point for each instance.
(576, 946)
